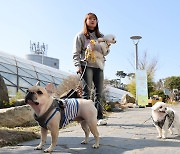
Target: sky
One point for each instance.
(56, 22)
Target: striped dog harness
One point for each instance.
(70, 111)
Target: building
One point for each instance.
(19, 74)
(38, 53)
(45, 60)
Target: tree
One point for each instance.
(69, 83)
(160, 93)
(150, 66)
(132, 87)
(172, 82)
(131, 75)
(121, 74)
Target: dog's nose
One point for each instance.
(28, 96)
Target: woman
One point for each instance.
(90, 70)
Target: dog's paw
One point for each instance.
(38, 148)
(47, 150)
(170, 131)
(158, 137)
(163, 137)
(95, 146)
(84, 142)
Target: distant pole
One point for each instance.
(136, 56)
(30, 46)
(136, 41)
(42, 57)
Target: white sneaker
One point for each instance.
(101, 122)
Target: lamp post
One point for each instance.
(136, 41)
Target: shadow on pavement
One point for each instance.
(115, 145)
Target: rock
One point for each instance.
(115, 106)
(4, 98)
(16, 116)
(19, 102)
(116, 109)
(127, 99)
(131, 105)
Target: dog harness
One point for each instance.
(68, 109)
(170, 117)
(44, 119)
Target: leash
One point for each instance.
(142, 124)
(81, 76)
(80, 79)
(147, 120)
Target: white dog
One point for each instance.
(92, 56)
(164, 118)
(105, 43)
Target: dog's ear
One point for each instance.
(154, 107)
(50, 88)
(38, 83)
(157, 105)
(100, 39)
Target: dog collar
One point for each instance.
(170, 116)
(159, 123)
(108, 44)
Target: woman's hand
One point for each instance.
(79, 70)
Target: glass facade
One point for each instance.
(19, 74)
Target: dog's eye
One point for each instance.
(39, 92)
(160, 107)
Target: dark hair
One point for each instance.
(85, 28)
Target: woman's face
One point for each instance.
(91, 22)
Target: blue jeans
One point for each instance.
(96, 76)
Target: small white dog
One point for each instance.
(92, 56)
(164, 118)
(105, 43)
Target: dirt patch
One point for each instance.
(14, 136)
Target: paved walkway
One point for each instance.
(126, 132)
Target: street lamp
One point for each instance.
(136, 41)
